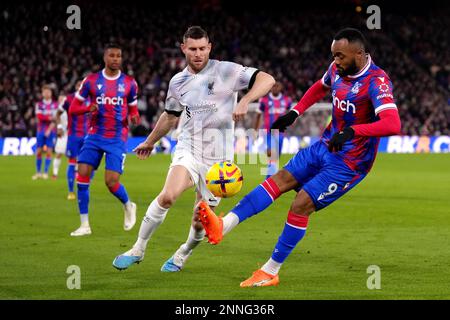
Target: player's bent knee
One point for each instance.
(166, 199)
(284, 180)
(303, 204)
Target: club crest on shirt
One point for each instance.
(121, 88)
(355, 88)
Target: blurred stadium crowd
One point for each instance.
(293, 46)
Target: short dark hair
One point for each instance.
(112, 45)
(352, 35)
(195, 32)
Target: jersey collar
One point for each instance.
(364, 70)
(111, 78)
(278, 97)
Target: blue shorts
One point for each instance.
(42, 140)
(277, 143)
(94, 147)
(322, 174)
(74, 145)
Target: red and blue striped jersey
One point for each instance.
(113, 96)
(357, 99)
(45, 113)
(273, 107)
(77, 124)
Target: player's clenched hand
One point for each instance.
(339, 138)
(241, 110)
(284, 121)
(143, 150)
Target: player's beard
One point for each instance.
(351, 69)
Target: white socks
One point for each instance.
(154, 216)
(230, 221)
(84, 220)
(271, 267)
(193, 240)
(56, 164)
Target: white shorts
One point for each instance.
(61, 144)
(197, 170)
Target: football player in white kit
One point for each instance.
(61, 140)
(206, 91)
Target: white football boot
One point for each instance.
(129, 216)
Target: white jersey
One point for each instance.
(208, 99)
(63, 119)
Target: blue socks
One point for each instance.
(293, 232)
(38, 164)
(83, 194)
(257, 200)
(71, 176)
(119, 192)
(47, 164)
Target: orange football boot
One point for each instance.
(260, 279)
(212, 224)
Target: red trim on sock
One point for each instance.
(272, 188)
(297, 220)
(115, 187)
(83, 179)
(39, 157)
(73, 161)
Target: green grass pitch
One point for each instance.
(398, 218)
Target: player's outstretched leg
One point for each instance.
(71, 178)
(119, 191)
(83, 182)
(154, 216)
(196, 235)
(256, 201)
(178, 180)
(293, 232)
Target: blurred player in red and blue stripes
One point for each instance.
(46, 131)
(113, 101)
(77, 128)
(271, 107)
(363, 111)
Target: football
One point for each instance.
(224, 179)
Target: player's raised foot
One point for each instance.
(175, 263)
(212, 224)
(260, 278)
(81, 231)
(36, 176)
(71, 196)
(128, 258)
(45, 176)
(129, 216)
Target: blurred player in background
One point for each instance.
(77, 129)
(113, 98)
(46, 131)
(271, 107)
(363, 111)
(206, 91)
(61, 140)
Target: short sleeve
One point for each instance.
(238, 76)
(172, 104)
(326, 78)
(381, 93)
(133, 94)
(83, 92)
